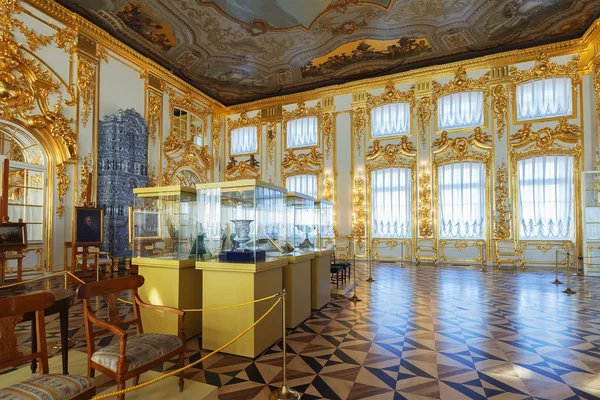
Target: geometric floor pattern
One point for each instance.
(424, 333)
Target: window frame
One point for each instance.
(241, 122)
(466, 127)
(391, 95)
(515, 108)
(317, 174)
(411, 199)
(285, 133)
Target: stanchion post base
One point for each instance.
(355, 298)
(370, 279)
(569, 291)
(578, 274)
(483, 269)
(557, 282)
(285, 393)
(70, 343)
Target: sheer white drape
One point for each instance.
(390, 119)
(305, 184)
(243, 140)
(391, 203)
(462, 200)
(546, 199)
(544, 98)
(460, 110)
(302, 132)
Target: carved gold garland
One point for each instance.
(65, 38)
(271, 141)
(327, 188)
(503, 212)
(389, 153)
(424, 214)
(26, 89)
(499, 107)
(460, 83)
(359, 125)
(249, 169)
(155, 101)
(423, 118)
(545, 137)
(328, 130)
(86, 82)
(216, 136)
(460, 146)
(306, 163)
(359, 212)
(61, 187)
(84, 181)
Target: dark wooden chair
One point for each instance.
(46, 386)
(133, 354)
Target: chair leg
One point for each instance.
(181, 365)
(91, 371)
(136, 380)
(121, 386)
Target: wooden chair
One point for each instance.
(426, 251)
(43, 386)
(340, 263)
(133, 354)
(508, 253)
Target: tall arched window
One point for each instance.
(391, 202)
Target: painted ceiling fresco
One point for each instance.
(242, 50)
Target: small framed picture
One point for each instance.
(146, 225)
(13, 235)
(89, 226)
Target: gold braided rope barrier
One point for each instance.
(150, 382)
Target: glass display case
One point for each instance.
(162, 223)
(591, 222)
(241, 222)
(325, 227)
(301, 223)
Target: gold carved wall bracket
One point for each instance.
(545, 137)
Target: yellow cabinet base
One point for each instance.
(174, 284)
(320, 279)
(222, 288)
(296, 281)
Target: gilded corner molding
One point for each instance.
(499, 108)
(61, 187)
(86, 83)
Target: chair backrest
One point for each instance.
(506, 247)
(341, 249)
(11, 313)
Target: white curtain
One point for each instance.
(391, 203)
(243, 140)
(390, 119)
(544, 98)
(546, 199)
(302, 132)
(305, 184)
(462, 200)
(460, 110)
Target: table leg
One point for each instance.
(64, 337)
(33, 344)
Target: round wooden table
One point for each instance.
(64, 299)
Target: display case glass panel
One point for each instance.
(325, 226)
(591, 205)
(301, 223)
(240, 222)
(162, 223)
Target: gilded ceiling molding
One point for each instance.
(28, 94)
(249, 169)
(460, 83)
(545, 137)
(301, 111)
(359, 124)
(241, 122)
(61, 187)
(423, 118)
(424, 213)
(86, 82)
(503, 212)
(499, 108)
(306, 163)
(379, 156)
(154, 117)
(271, 141)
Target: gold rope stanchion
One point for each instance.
(354, 297)
(568, 290)
(579, 271)
(285, 392)
(556, 281)
(231, 306)
(483, 260)
(370, 278)
(32, 280)
(177, 371)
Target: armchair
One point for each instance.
(46, 386)
(133, 354)
(507, 252)
(426, 251)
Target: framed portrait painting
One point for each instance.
(13, 236)
(89, 226)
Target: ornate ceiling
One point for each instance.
(242, 50)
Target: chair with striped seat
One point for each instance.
(44, 386)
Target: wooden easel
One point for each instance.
(74, 246)
(4, 257)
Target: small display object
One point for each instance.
(301, 223)
(89, 226)
(240, 222)
(162, 223)
(325, 227)
(13, 235)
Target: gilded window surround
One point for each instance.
(301, 111)
(242, 121)
(544, 69)
(391, 95)
(248, 169)
(302, 164)
(461, 83)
